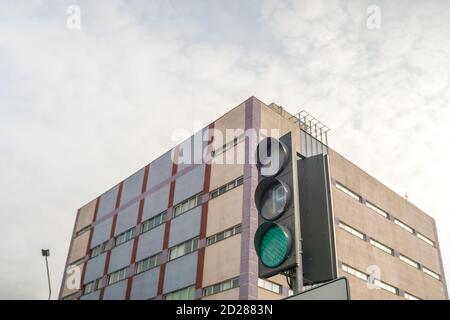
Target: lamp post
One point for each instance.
(46, 254)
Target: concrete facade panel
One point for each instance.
(86, 215)
(185, 226)
(127, 218)
(115, 291)
(132, 186)
(189, 184)
(150, 243)
(145, 285)
(94, 268)
(160, 170)
(156, 202)
(120, 256)
(79, 247)
(219, 266)
(102, 232)
(224, 211)
(180, 273)
(91, 296)
(107, 202)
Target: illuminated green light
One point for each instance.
(274, 247)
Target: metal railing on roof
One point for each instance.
(312, 126)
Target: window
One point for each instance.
(183, 294)
(352, 231)
(223, 286)
(228, 145)
(227, 187)
(407, 260)
(377, 210)
(72, 296)
(148, 263)
(385, 286)
(290, 292)
(381, 246)
(187, 205)
(409, 296)
(403, 226)
(348, 192)
(355, 272)
(117, 275)
(224, 234)
(183, 249)
(83, 230)
(425, 239)
(124, 237)
(97, 250)
(269, 285)
(153, 222)
(431, 273)
(91, 286)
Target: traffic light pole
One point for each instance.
(297, 283)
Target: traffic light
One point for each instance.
(275, 201)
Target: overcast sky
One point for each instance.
(81, 110)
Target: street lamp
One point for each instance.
(46, 254)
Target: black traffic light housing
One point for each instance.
(274, 198)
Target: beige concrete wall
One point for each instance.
(273, 118)
(224, 173)
(77, 275)
(86, 215)
(222, 261)
(360, 254)
(264, 294)
(79, 247)
(359, 291)
(224, 211)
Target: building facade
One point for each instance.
(184, 229)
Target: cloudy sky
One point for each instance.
(81, 109)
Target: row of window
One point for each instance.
(388, 250)
(183, 248)
(129, 234)
(159, 219)
(124, 237)
(148, 263)
(187, 205)
(224, 235)
(384, 214)
(228, 146)
(92, 286)
(226, 187)
(220, 287)
(154, 261)
(381, 246)
(99, 249)
(269, 285)
(119, 275)
(153, 222)
(182, 294)
(376, 282)
(189, 292)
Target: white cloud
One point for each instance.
(81, 110)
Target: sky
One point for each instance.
(82, 109)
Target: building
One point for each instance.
(178, 230)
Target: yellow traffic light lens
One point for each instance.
(274, 201)
(274, 247)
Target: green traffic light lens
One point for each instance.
(274, 247)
